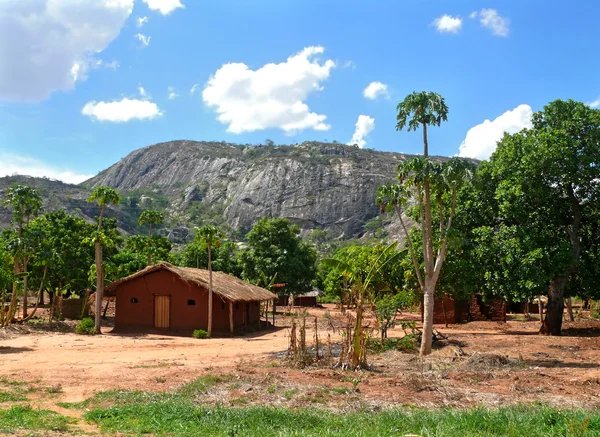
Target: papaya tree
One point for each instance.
(435, 186)
(103, 196)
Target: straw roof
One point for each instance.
(315, 292)
(224, 285)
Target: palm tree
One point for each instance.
(151, 217)
(212, 236)
(104, 196)
(26, 203)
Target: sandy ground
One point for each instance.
(481, 363)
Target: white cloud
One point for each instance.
(594, 104)
(364, 126)
(350, 64)
(490, 19)
(141, 21)
(473, 15)
(375, 89)
(481, 140)
(165, 7)
(145, 40)
(22, 165)
(41, 42)
(122, 111)
(447, 23)
(172, 93)
(142, 91)
(270, 97)
(113, 65)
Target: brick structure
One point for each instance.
(472, 310)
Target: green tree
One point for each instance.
(103, 196)
(151, 217)
(545, 183)
(211, 236)
(26, 203)
(435, 186)
(64, 236)
(275, 248)
(363, 286)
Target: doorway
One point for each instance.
(162, 311)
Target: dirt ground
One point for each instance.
(481, 363)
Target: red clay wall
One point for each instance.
(183, 317)
(472, 310)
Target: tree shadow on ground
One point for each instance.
(549, 364)
(14, 350)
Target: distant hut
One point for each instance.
(308, 299)
(174, 298)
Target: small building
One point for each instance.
(173, 298)
(308, 299)
(475, 309)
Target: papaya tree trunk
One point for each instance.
(25, 294)
(552, 324)
(570, 309)
(427, 336)
(210, 293)
(99, 287)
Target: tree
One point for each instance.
(104, 196)
(362, 283)
(151, 217)
(426, 180)
(26, 203)
(64, 236)
(545, 182)
(212, 236)
(276, 248)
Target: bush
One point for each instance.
(200, 333)
(86, 327)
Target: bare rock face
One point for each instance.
(315, 185)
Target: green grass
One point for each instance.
(11, 397)
(183, 418)
(25, 417)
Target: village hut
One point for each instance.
(173, 298)
(308, 299)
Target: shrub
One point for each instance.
(200, 333)
(86, 327)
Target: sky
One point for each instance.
(85, 82)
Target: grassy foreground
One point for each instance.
(179, 413)
(177, 419)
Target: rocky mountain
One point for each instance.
(324, 186)
(315, 185)
(58, 195)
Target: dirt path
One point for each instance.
(84, 365)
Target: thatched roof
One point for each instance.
(315, 292)
(224, 285)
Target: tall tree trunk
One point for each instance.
(427, 335)
(210, 293)
(428, 257)
(99, 287)
(541, 308)
(25, 294)
(552, 324)
(570, 309)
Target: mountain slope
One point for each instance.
(316, 185)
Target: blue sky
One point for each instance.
(85, 82)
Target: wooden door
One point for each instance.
(162, 311)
